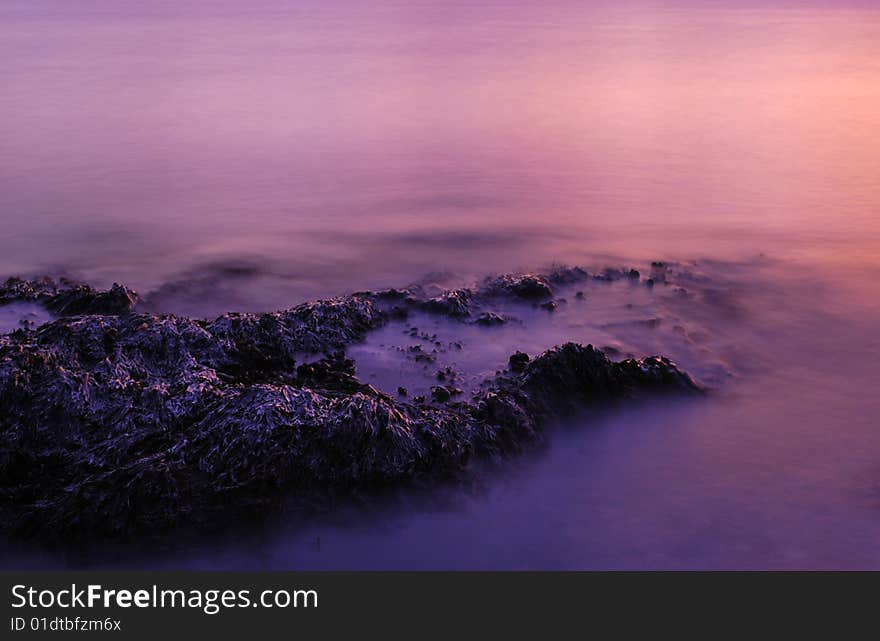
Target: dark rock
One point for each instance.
(572, 375)
(69, 298)
(320, 326)
(549, 306)
(420, 355)
(440, 393)
(524, 286)
(567, 275)
(490, 319)
(396, 295)
(334, 373)
(402, 391)
(455, 303)
(518, 362)
(120, 427)
(659, 271)
(85, 300)
(610, 275)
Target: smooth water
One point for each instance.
(226, 155)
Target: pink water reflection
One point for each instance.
(138, 142)
(247, 155)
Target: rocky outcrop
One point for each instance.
(456, 303)
(65, 297)
(121, 426)
(530, 287)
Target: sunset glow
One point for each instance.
(466, 189)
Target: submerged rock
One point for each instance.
(118, 427)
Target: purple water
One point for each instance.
(247, 156)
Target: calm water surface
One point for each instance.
(230, 155)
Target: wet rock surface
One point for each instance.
(524, 286)
(119, 425)
(65, 297)
(490, 319)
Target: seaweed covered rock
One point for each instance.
(572, 376)
(17, 290)
(518, 361)
(118, 427)
(82, 299)
(267, 344)
(532, 287)
(455, 303)
(65, 297)
(561, 275)
(490, 319)
(331, 324)
(465, 303)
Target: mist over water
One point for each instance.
(248, 156)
